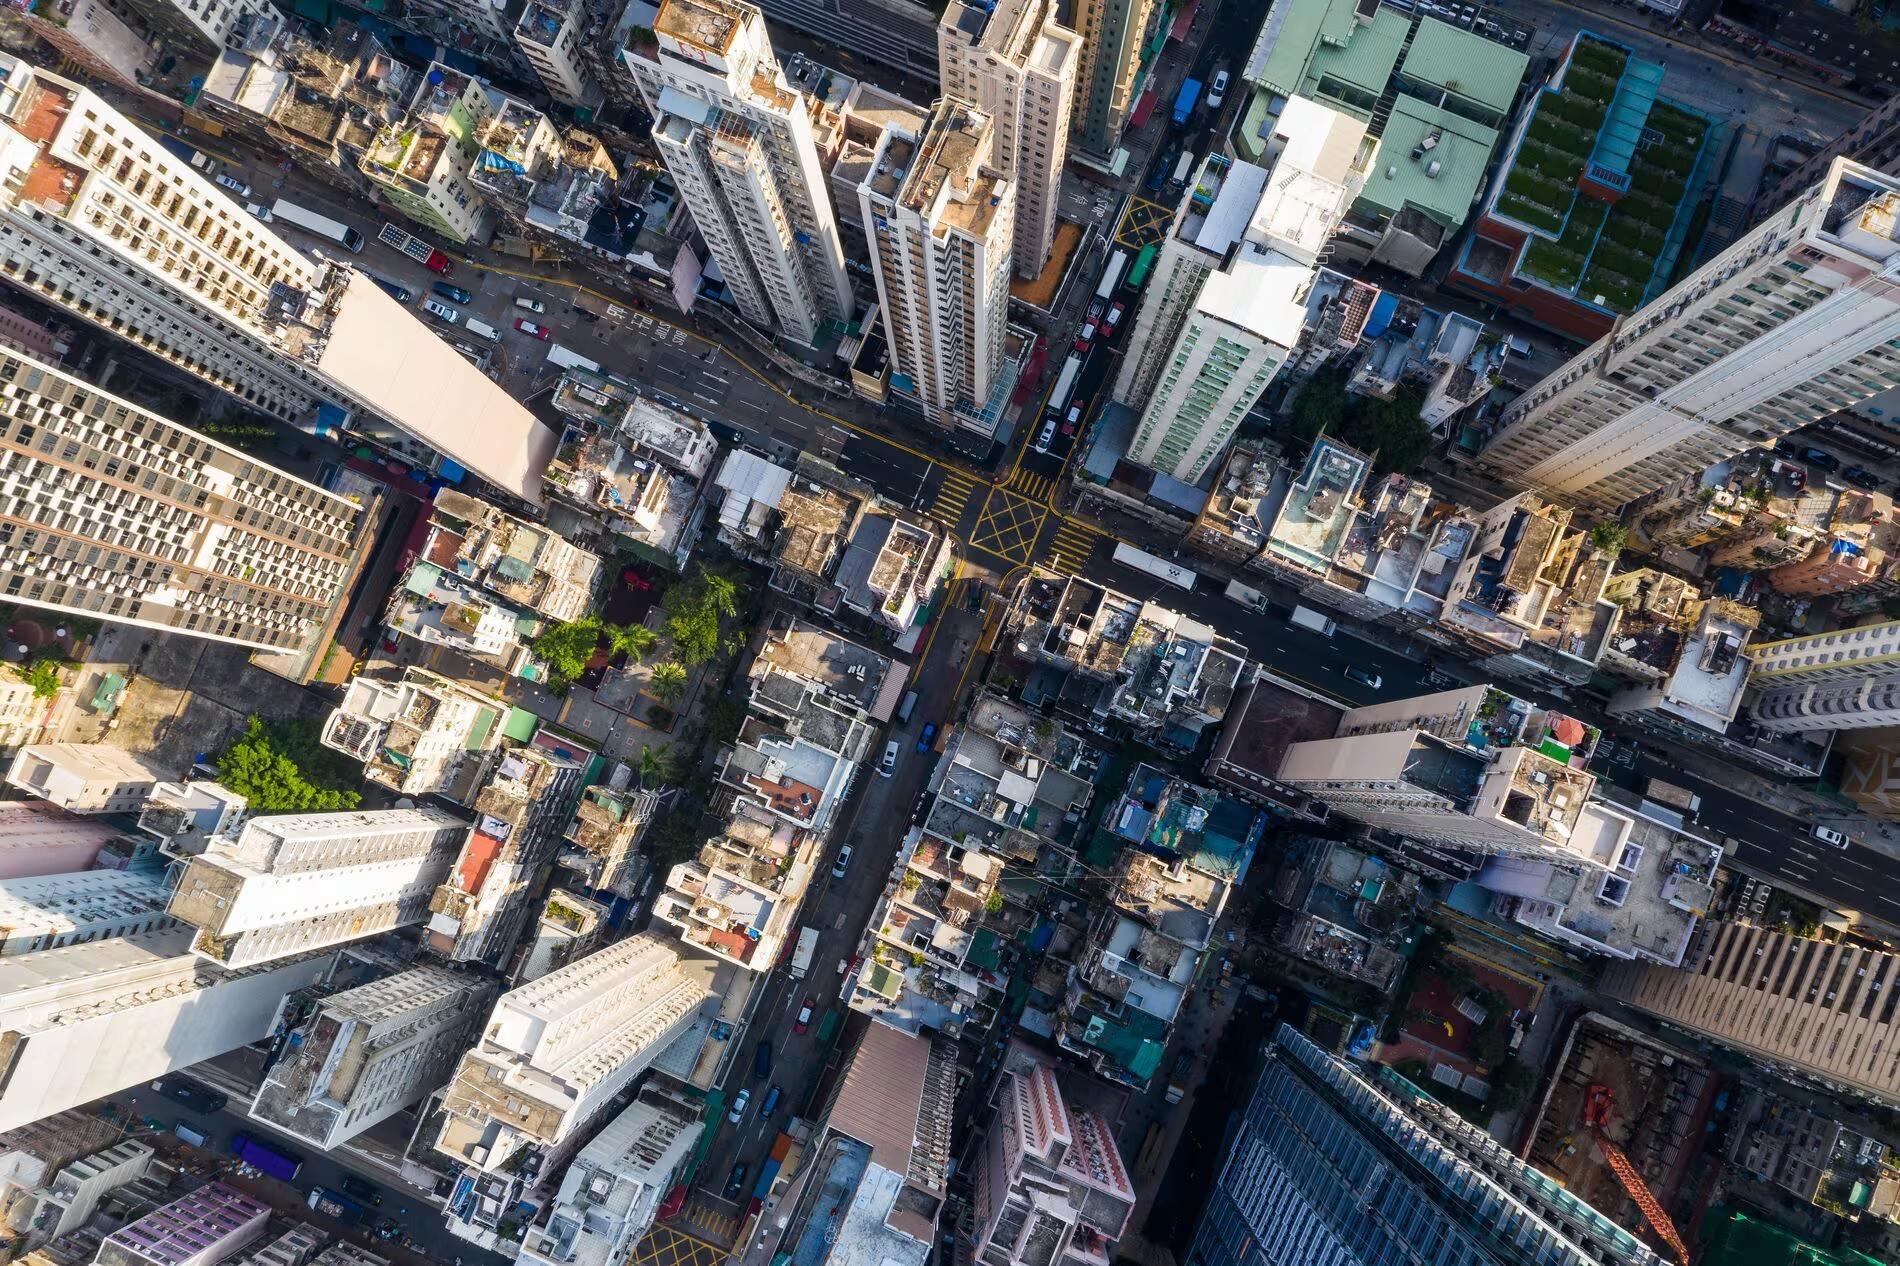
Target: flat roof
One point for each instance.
(1465, 63)
(1462, 152)
(1262, 293)
(383, 355)
(1318, 38)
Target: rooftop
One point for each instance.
(1319, 507)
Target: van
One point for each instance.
(888, 765)
(762, 1059)
(770, 1105)
(482, 329)
(440, 311)
(531, 305)
(905, 708)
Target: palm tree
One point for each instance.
(635, 640)
(658, 765)
(667, 682)
(722, 594)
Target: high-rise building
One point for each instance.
(1051, 1189)
(1872, 142)
(736, 135)
(204, 26)
(37, 838)
(550, 34)
(1824, 1009)
(555, 1052)
(940, 217)
(1113, 33)
(1845, 680)
(103, 223)
(68, 1201)
(1790, 324)
(85, 777)
(294, 883)
(424, 162)
(108, 510)
(47, 911)
(367, 1053)
(199, 1229)
(91, 1019)
(1017, 64)
(612, 1191)
(1317, 1138)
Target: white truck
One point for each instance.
(801, 956)
(1246, 596)
(1307, 618)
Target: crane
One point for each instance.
(1597, 1103)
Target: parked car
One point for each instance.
(532, 330)
(1114, 314)
(259, 210)
(1368, 679)
(843, 863)
(739, 1105)
(232, 183)
(1820, 459)
(802, 1025)
(1861, 477)
(762, 1060)
(1828, 835)
(1218, 92)
(531, 305)
(735, 1181)
(925, 739)
(888, 766)
(439, 310)
(455, 293)
(361, 1189)
(770, 1105)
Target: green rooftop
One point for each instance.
(1462, 150)
(1303, 28)
(1465, 67)
(521, 725)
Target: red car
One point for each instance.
(804, 1016)
(533, 330)
(1081, 345)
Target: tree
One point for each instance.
(1390, 430)
(260, 766)
(658, 766)
(1511, 1083)
(636, 641)
(696, 610)
(667, 682)
(42, 673)
(1609, 538)
(565, 648)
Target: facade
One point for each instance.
(108, 226)
(736, 135)
(68, 1201)
(422, 735)
(611, 1192)
(550, 34)
(1845, 680)
(1281, 1195)
(199, 1229)
(941, 217)
(1114, 34)
(526, 564)
(84, 777)
(893, 566)
(80, 1022)
(204, 26)
(367, 1053)
(47, 911)
(555, 1052)
(1788, 325)
(287, 885)
(1873, 142)
(423, 162)
(38, 839)
(601, 839)
(1017, 64)
(1818, 1010)
(1051, 1189)
(110, 511)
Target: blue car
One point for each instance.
(924, 739)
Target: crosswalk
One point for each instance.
(1071, 546)
(714, 1224)
(1035, 487)
(953, 497)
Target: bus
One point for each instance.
(1160, 568)
(1143, 262)
(321, 225)
(1111, 277)
(1065, 383)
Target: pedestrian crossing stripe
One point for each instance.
(953, 496)
(1071, 546)
(1033, 485)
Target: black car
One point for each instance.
(1861, 477)
(454, 293)
(1820, 460)
(365, 1191)
(735, 1181)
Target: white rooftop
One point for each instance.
(1264, 293)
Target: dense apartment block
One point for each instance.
(644, 477)
(367, 1053)
(1017, 63)
(72, 1192)
(421, 735)
(607, 827)
(291, 884)
(527, 564)
(1788, 325)
(1282, 1194)
(202, 26)
(84, 777)
(423, 162)
(103, 223)
(940, 214)
(736, 135)
(108, 510)
(199, 1229)
(550, 34)
(47, 911)
(77, 1022)
(1845, 680)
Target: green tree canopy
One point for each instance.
(1390, 431)
(281, 768)
(635, 640)
(696, 609)
(1609, 537)
(42, 673)
(667, 682)
(658, 766)
(565, 648)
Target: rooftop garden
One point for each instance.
(1562, 134)
(1634, 236)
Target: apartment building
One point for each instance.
(199, 1229)
(528, 565)
(367, 1053)
(37, 838)
(441, 610)
(47, 911)
(941, 216)
(1051, 1188)
(79, 1021)
(1702, 683)
(287, 885)
(1786, 326)
(110, 511)
(421, 735)
(1872, 142)
(32, 1155)
(1113, 34)
(736, 135)
(1017, 64)
(423, 163)
(102, 222)
(1443, 1181)
(202, 26)
(1845, 680)
(893, 567)
(607, 827)
(611, 1192)
(550, 34)
(798, 752)
(738, 898)
(480, 909)
(555, 1052)
(644, 478)
(84, 777)
(72, 1193)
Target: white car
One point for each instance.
(843, 863)
(739, 1105)
(531, 305)
(1218, 93)
(888, 766)
(259, 210)
(1828, 835)
(232, 183)
(440, 311)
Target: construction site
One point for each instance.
(1622, 1124)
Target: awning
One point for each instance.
(1144, 107)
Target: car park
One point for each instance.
(739, 1105)
(532, 330)
(1371, 680)
(843, 863)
